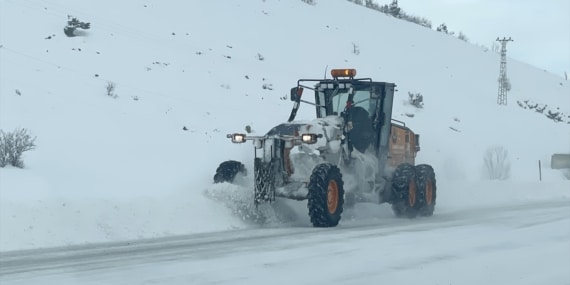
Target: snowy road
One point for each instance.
(526, 243)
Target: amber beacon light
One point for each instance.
(347, 72)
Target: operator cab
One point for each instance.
(365, 105)
(333, 99)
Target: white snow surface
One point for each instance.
(122, 169)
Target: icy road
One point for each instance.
(521, 243)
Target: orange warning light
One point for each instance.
(347, 72)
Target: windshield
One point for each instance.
(330, 98)
(361, 99)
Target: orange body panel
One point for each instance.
(403, 146)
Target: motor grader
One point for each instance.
(352, 152)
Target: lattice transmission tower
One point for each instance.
(504, 83)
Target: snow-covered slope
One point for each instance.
(119, 168)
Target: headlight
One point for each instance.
(309, 138)
(237, 138)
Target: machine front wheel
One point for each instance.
(228, 170)
(326, 195)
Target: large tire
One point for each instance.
(426, 185)
(326, 195)
(404, 189)
(228, 170)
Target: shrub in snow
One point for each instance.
(462, 37)
(555, 115)
(355, 49)
(416, 20)
(73, 24)
(416, 99)
(310, 2)
(442, 28)
(394, 10)
(13, 145)
(497, 163)
(111, 90)
(267, 86)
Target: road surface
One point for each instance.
(524, 243)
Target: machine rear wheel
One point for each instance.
(228, 170)
(405, 192)
(425, 181)
(326, 195)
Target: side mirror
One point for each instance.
(296, 93)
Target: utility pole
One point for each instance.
(504, 83)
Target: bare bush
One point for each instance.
(74, 24)
(416, 99)
(267, 86)
(110, 88)
(416, 20)
(442, 28)
(13, 145)
(497, 163)
(355, 49)
(462, 37)
(394, 10)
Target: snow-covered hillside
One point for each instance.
(108, 169)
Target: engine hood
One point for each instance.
(325, 126)
(329, 127)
